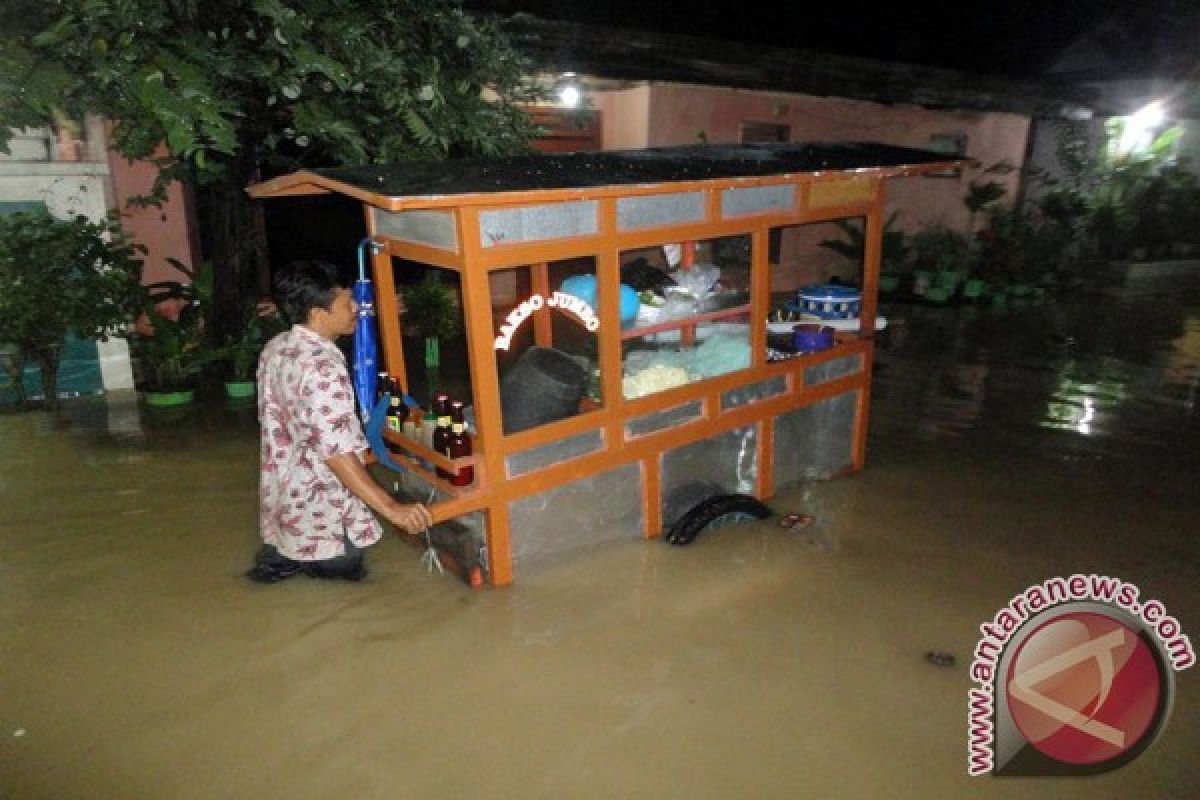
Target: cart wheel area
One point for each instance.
(716, 511)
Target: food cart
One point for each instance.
(679, 387)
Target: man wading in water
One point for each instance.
(315, 495)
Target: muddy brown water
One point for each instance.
(1007, 447)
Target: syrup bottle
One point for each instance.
(395, 414)
(459, 445)
(441, 435)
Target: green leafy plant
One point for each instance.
(222, 92)
(173, 353)
(240, 351)
(980, 196)
(430, 309)
(854, 248)
(58, 276)
(1023, 247)
(941, 249)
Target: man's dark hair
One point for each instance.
(304, 285)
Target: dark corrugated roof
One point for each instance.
(623, 167)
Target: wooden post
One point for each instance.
(387, 310)
(485, 388)
(872, 259)
(652, 496)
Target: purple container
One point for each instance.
(809, 337)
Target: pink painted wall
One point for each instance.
(676, 114)
(625, 117)
(680, 114)
(165, 231)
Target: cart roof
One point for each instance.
(476, 181)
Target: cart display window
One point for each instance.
(432, 327)
(547, 341)
(690, 322)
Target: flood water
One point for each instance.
(1007, 448)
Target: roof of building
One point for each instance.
(470, 181)
(631, 55)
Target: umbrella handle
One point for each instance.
(376, 248)
(374, 429)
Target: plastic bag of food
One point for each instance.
(699, 280)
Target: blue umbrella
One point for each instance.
(366, 351)
(366, 361)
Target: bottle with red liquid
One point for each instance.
(459, 445)
(441, 434)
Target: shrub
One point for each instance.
(58, 276)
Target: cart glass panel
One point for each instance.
(816, 278)
(691, 313)
(432, 331)
(546, 344)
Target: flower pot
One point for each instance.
(170, 399)
(922, 278)
(240, 390)
(948, 279)
(974, 288)
(938, 295)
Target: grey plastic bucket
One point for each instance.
(543, 385)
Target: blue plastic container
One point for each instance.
(584, 287)
(809, 337)
(829, 301)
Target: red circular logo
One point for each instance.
(1083, 688)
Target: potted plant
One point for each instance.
(945, 255)
(170, 346)
(980, 196)
(240, 351)
(430, 312)
(58, 276)
(1016, 247)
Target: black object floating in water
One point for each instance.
(940, 658)
(714, 512)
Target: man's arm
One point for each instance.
(410, 518)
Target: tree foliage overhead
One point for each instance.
(345, 81)
(218, 92)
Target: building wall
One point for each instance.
(163, 230)
(73, 173)
(676, 114)
(625, 116)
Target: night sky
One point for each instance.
(1018, 38)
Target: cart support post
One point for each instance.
(652, 496)
(872, 258)
(485, 387)
(387, 309)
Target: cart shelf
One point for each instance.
(674, 324)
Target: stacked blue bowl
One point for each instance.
(829, 301)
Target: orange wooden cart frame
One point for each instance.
(818, 197)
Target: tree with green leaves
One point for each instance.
(220, 93)
(58, 276)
